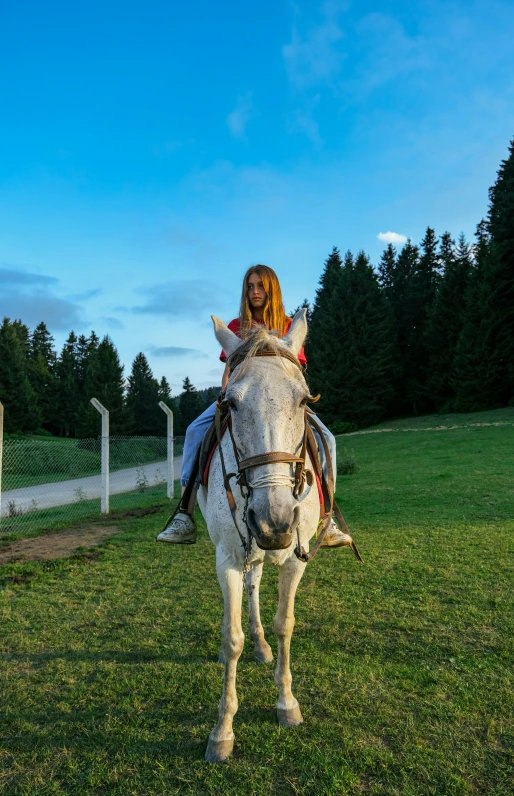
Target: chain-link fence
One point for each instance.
(49, 481)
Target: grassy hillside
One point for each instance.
(402, 667)
(505, 415)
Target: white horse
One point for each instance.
(267, 397)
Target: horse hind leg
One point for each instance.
(221, 739)
(262, 650)
(288, 709)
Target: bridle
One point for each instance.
(301, 474)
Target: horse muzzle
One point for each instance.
(272, 523)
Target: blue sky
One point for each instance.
(150, 152)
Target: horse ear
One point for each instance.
(225, 337)
(296, 335)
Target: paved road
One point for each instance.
(46, 496)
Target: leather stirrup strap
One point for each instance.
(300, 471)
(183, 503)
(313, 450)
(327, 485)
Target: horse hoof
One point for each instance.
(218, 751)
(263, 654)
(289, 718)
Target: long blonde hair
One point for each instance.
(274, 314)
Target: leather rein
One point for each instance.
(301, 474)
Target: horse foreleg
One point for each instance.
(288, 710)
(262, 650)
(221, 739)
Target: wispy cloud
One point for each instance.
(112, 323)
(313, 61)
(13, 276)
(239, 117)
(388, 51)
(392, 237)
(303, 119)
(32, 298)
(86, 294)
(187, 297)
(170, 351)
(215, 372)
(314, 56)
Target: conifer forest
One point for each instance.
(428, 328)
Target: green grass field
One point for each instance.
(403, 667)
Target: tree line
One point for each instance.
(430, 329)
(49, 393)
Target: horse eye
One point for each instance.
(232, 404)
(303, 401)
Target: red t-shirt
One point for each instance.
(234, 327)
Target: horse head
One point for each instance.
(266, 395)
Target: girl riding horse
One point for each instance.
(261, 306)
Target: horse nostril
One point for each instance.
(251, 519)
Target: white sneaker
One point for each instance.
(334, 537)
(181, 530)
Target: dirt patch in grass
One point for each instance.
(123, 514)
(60, 544)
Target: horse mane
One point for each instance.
(258, 342)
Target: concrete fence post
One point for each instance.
(105, 455)
(170, 475)
(1, 454)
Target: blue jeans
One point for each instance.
(198, 429)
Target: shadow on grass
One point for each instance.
(131, 657)
(109, 656)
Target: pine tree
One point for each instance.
(190, 403)
(22, 332)
(396, 277)
(165, 391)
(68, 393)
(446, 319)
(365, 354)
(174, 404)
(86, 347)
(144, 415)
(501, 273)
(387, 271)
(304, 305)
(324, 334)
(42, 373)
(475, 372)
(103, 380)
(423, 288)
(16, 393)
